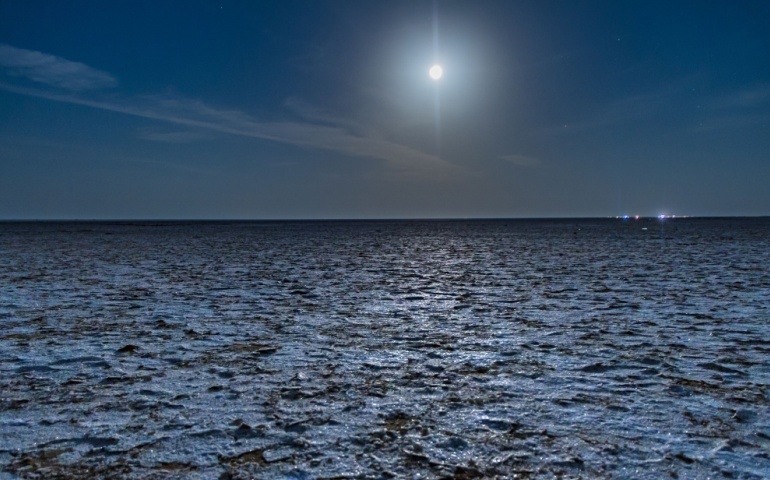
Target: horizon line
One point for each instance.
(372, 219)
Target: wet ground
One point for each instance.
(519, 349)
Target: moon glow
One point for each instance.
(436, 72)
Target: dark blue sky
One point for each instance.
(225, 109)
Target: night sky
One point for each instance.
(325, 109)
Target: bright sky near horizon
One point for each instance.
(325, 109)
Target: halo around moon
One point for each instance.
(436, 72)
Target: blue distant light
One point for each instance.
(661, 216)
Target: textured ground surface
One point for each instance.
(573, 349)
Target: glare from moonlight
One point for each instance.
(436, 72)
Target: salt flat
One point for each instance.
(437, 349)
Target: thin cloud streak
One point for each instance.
(176, 137)
(616, 113)
(622, 111)
(196, 114)
(521, 160)
(314, 114)
(743, 99)
(320, 130)
(732, 122)
(52, 70)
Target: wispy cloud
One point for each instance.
(746, 98)
(741, 109)
(615, 113)
(728, 122)
(185, 136)
(521, 160)
(312, 113)
(52, 70)
(621, 111)
(316, 129)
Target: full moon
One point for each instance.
(435, 72)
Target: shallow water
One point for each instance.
(542, 349)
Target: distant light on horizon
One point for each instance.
(660, 216)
